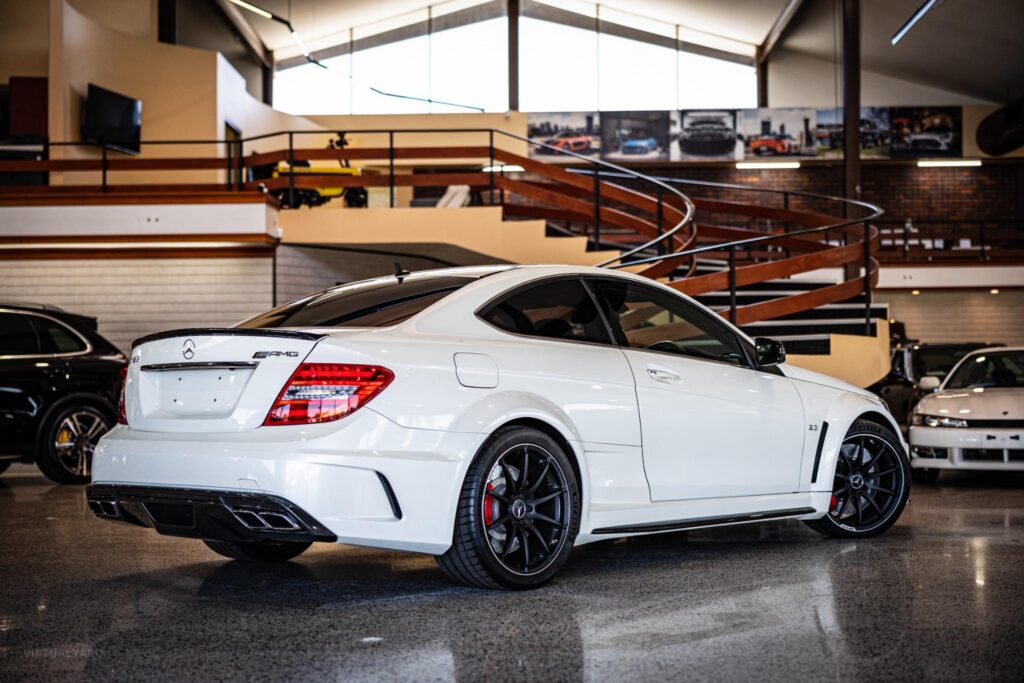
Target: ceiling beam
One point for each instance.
(778, 29)
(246, 32)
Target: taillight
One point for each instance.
(321, 392)
(122, 415)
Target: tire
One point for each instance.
(258, 551)
(928, 476)
(872, 468)
(356, 197)
(67, 441)
(519, 538)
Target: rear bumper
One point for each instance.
(365, 479)
(213, 515)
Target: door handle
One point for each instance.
(663, 376)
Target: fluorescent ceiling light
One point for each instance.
(950, 163)
(914, 18)
(302, 46)
(752, 165)
(253, 8)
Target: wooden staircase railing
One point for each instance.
(659, 226)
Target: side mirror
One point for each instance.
(928, 383)
(769, 352)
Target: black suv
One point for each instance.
(910, 363)
(60, 385)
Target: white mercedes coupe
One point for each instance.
(975, 418)
(493, 417)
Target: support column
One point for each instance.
(512, 9)
(851, 98)
(762, 82)
(850, 67)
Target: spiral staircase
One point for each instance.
(754, 255)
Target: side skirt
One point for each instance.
(683, 524)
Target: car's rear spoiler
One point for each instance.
(229, 331)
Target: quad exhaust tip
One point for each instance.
(105, 508)
(265, 520)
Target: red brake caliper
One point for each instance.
(489, 506)
(832, 503)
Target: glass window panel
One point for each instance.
(561, 309)
(557, 67)
(401, 68)
(310, 89)
(708, 83)
(469, 65)
(635, 76)
(17, 338)
(646, 318)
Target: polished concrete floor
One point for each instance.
(940, 596)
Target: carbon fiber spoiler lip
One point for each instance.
(228, 331)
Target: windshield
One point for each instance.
(993, 369)
(937, 362)
(371, 303)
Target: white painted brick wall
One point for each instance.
(959, 315)
(305, 270)
(131, 298)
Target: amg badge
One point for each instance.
(276, 354)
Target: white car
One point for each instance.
(975, 419)
(493, 417)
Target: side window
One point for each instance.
(57, 338)
(559, 309)
(17, 337)
(645, 318)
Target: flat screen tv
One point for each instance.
(112, 120)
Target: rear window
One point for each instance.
(371, 303)
(56, 338)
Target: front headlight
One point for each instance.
(920, 420)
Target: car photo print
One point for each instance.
(493, 417)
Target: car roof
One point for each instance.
(30, 306)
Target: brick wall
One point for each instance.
(131, 298)
(991, 192)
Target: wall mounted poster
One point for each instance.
(578, 132)
(635, 135)
(874, 133)
(777, 132)
(926, 132)
(707, 135)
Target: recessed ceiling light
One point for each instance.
(993, 291)
(916, 292)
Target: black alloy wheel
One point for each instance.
(871, 484)
(525, 512)
(518, 513)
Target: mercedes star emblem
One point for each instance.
(188, 349)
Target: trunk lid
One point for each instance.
(211, 380)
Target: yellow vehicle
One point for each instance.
(324, 191)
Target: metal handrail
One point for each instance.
(601, 171)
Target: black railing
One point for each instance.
(662, 247)
(869, 214)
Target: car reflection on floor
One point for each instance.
(937, 597)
